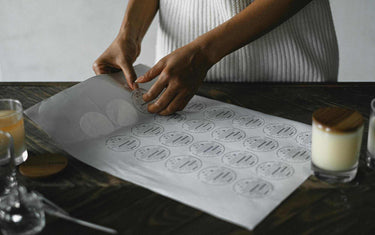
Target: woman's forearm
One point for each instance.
(138, 17)
(254, 21)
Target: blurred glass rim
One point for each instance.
(19, 108)
(373, 105)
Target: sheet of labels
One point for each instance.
(231, 162)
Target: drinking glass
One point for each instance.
(21, 212)
(7, 173)
(11, 121)
(371, 137)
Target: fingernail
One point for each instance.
(156, 103)
(139, 79)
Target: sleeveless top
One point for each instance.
(302, 49)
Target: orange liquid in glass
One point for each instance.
(12, 122)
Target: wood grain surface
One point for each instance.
(314, 208)
(338, 119)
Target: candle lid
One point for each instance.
(42, 166)
(336, 119)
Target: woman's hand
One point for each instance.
(180, 73)
(120, 55)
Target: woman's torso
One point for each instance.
(302, 49)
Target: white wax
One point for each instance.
(371, 136)
(335, 151)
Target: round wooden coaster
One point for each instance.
(42, 166)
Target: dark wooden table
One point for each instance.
(315, 207)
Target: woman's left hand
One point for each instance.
(180, 73)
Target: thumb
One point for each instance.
(152, 73)
(129, 74)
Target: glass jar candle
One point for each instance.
(336, 143)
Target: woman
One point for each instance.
(224, 40)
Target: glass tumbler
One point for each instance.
(7, 174)
(21, 212)
(11, 121)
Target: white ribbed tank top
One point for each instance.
(302, 49)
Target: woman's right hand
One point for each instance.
(120, 55)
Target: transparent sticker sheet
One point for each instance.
(234, 163)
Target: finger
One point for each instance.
(151, 73)
(163, 102)
(177, 104)
(102, 68)
(97, 68)
(155, 90)
(186, 101)
(129, 74)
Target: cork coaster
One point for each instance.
(42, 166)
